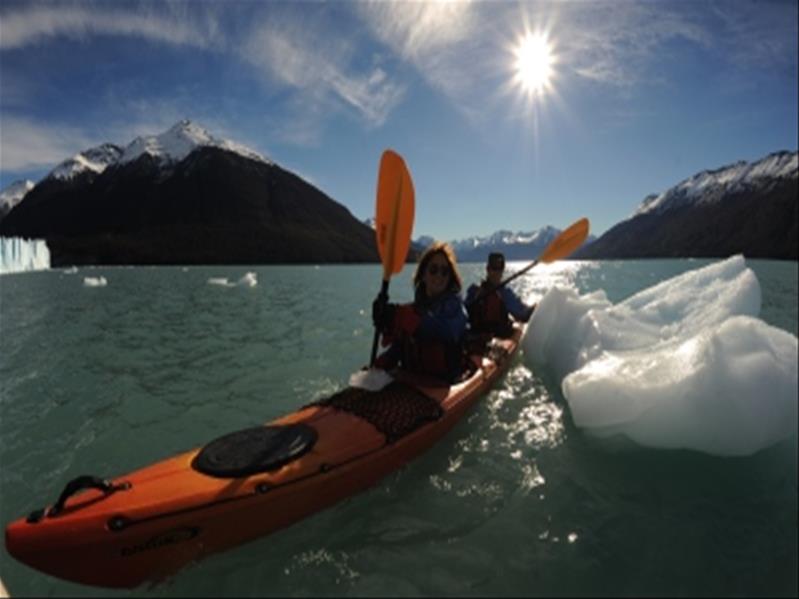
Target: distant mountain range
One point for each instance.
(515, 246)
(187, 197)
(748, 208)
(183, 197)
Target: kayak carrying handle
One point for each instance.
(80, 483)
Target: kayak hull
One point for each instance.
(168, 514)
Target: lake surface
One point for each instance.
(514, 501)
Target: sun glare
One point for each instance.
(534, 62)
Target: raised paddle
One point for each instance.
(561, 247)
(394, 212)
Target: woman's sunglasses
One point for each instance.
(435, 269)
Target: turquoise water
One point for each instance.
(514, 501)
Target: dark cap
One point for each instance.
(496, 260)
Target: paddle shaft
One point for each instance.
(517, 274)
(502, 283)
(382, 297)
(560, 247)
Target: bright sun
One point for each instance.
(534, 63)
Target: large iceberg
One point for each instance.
(19, 255)
(683, 364)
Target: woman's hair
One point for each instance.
(443, 248)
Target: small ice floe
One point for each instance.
(95, 281)
(71, 270)
(373, 379)
(683, 364)
(248, 280)
(220, 281)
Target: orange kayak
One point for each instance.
(148, 524)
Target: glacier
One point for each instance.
(685, 364)
(21, 255)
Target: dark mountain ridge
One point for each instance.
(744, 208)
(214, 206)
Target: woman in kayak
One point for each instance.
(426, 336)
(490, 306)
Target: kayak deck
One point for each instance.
(157, 519)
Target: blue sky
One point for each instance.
(640, 96)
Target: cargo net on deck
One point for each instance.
(395, 410)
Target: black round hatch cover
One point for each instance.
(254, 450)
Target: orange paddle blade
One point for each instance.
(567, 242)
(394, 212)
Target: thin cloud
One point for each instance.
(27, 144)
(320, 64)
(464, 49)
(418, 30)
(293, 48)
(616, 43)
(37, 23)
(17, 89)
(759, 35)
(443, 40)
(456, 46)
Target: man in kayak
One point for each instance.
(426, 336)
(491, 306)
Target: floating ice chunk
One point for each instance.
(729, 390)
(95, 281)
(221, 281)
(683, 364)
(248, 280)
(71, 270)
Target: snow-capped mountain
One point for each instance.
(714, 186)
(515, 245)
(424, 241)
(505, 237)
(13, 194)
(748, 208)
(179, 141)
(169, 147)
(185, 197)
(94, 160)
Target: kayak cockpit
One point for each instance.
(254, 450)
